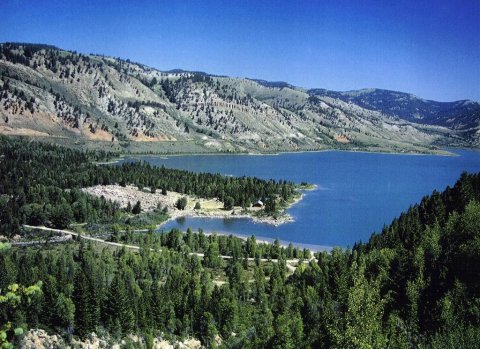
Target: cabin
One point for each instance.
(259, 203)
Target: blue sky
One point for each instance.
(429, 48)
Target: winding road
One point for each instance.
(291, 263)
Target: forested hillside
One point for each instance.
(41, 184)
(91, 101)
(414, 285)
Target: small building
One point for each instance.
(259, 203)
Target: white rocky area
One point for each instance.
(40, 339)
(149, 201)
(131, 194)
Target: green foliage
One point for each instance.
(415, 285)
(228, 203)
(137, 208)
(4, 246)
(119, 315)
(363, 317)
(368, 297)
(16, 296)
(40, 184)
(147, 219)
(61, 216)
(457, 337)
(86, 304)
(181, 203)
(65, 309)
(212, 256)
(270, 205)
(208, 331)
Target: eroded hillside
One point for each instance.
(89, 100)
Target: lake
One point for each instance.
(357, 194)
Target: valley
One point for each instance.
(239, 174)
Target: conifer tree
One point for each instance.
(137, 208)
(118, 311)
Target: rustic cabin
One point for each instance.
(259, 203)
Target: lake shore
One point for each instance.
(269, 241)
(434, 152)
(438, 152)
(354, 195)
(209, 208)
(282, 219)
(238, 212)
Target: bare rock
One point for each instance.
(39, 339)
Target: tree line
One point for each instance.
(414, 285)
(41, 184)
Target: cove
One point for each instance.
(357, 193)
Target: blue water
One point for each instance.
(358, 193)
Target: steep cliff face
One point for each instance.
(76, 98)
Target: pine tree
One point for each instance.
(212, 257)
(363, 319)
(283, 333)
(84, 318)
(208, 330)
(228, 203)
(61, 216)
(137, 208)
(118, 312)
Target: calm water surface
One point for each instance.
(358, 193)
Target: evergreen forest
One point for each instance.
(416, 284)
(40, 184)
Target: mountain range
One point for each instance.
(98, 101)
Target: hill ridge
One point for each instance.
(85, 99)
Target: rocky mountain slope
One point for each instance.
(92, 100)
(463, 116)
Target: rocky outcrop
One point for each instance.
(189, 343)
(40, 339)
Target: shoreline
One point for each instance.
(111, 162)
(123, 195)
(283, 218)
(267, 240)
(165, 156)
(210, 208)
